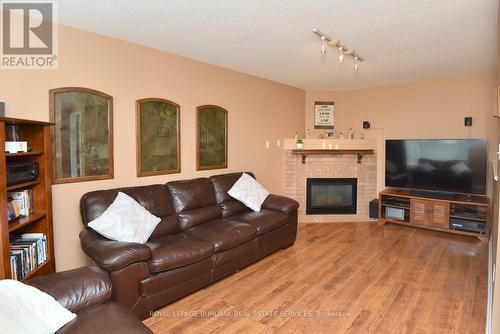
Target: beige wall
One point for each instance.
(259, 110)
(428, 109)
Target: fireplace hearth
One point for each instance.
(331, 196)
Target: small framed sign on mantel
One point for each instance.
(324, 115)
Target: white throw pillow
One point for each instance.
(248, 191)
(26, 310)
(460, 168)
(427, 167)
(125, 220)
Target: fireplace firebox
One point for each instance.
(331, 196)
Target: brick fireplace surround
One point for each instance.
(331, 166)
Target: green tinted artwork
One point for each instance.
(82, 134)
(212, 137)
(158, 142)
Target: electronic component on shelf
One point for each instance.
(22, 172)
(394, 213)
(16, 146)
(467, 225)
(396, 201)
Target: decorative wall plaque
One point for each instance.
(324, 115)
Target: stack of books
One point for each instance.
(27, 252)
(20, 203)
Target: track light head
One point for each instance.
(341, 54)
(323, 44)
(356, 64)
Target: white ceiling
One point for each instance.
(401, 40)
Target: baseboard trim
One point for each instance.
(367, 220)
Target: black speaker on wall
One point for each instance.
(374, 209)
(468, 121)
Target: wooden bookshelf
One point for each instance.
(24, 221)
(22, 185)
(37, 134)
(23, 154)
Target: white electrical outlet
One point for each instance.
(278, 143)
(267, 144)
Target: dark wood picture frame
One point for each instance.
(52, 96)
(141, 173)
(199, 166)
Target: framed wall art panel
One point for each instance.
(211, 137)
(83, 134)
(158, 137)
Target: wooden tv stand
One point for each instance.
(435, 213)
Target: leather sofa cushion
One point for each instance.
(197, 216)
(241, 251)
(280, 203)
(223, 234)
(177, 250)
(264, 220)
(233, 207)
(168, 279)
(194, 202)
(76, 289)
(109, 318)
(112, 255)
(154, 198)
(191, 194)
(221, 184)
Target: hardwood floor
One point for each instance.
(385, 279)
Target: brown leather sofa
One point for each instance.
(86, 291)
(204, 235)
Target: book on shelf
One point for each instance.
(13, 210)
(27, 252)
(24, 201)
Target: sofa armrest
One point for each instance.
(76, 289)
(280, 203)
(112, 255)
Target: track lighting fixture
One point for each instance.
(343, 50)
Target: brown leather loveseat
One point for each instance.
(204, 235)
(86, 291)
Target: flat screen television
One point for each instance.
(450, 166)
